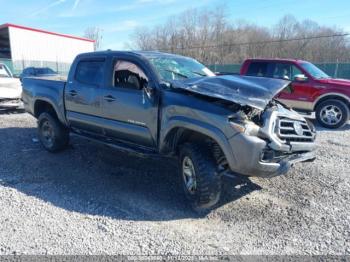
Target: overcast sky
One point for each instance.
(119, 18)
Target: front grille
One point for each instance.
(286, 130)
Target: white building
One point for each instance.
(24, 47)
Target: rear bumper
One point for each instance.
(249, 151)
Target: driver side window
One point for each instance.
(129, 75)
(296, 71)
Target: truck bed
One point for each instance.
(49, 89)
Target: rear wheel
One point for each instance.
(52, 134)
(332, 113)
(200, 179)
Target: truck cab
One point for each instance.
(311, 89)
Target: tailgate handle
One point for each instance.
(73, 92)
(109, 98)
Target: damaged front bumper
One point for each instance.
(282, 167)
(251, 158)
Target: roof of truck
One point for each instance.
(146, 54)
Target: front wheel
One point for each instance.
(52, 134)
(332, 113)
(199, 177)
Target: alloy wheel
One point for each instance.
(331, 115)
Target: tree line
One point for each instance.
(210, 37)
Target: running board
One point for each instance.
(120, 145)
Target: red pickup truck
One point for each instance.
(311, 90)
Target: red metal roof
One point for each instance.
(45, 32)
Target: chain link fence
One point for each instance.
(17, 67)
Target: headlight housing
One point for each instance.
(247, 127)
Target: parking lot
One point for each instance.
(91, 199)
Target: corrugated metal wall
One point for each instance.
(33, 48)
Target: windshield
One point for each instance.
(314, 71)
(179, 68)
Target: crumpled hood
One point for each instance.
(244, 90)
(10, 88)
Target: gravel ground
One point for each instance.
(91, 199)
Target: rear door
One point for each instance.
(82, 95)
(129, 113)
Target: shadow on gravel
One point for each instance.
(6, 111)
(95, 180)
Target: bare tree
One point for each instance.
(94, 33)
(208, 36)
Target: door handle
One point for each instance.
(109, 98)
(73, 93)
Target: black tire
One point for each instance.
(52, 134)
(208, 188)
(337, 119)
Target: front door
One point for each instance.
(297, 96)
(129, 113)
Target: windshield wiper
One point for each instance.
(176, 73)
(197, 73)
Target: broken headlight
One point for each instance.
(246, 127)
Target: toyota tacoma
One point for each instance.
(158, 104)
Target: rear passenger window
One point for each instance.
(257, 69)
(90, 72)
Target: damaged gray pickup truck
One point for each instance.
(152, 104)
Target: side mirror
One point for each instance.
(300, 78)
